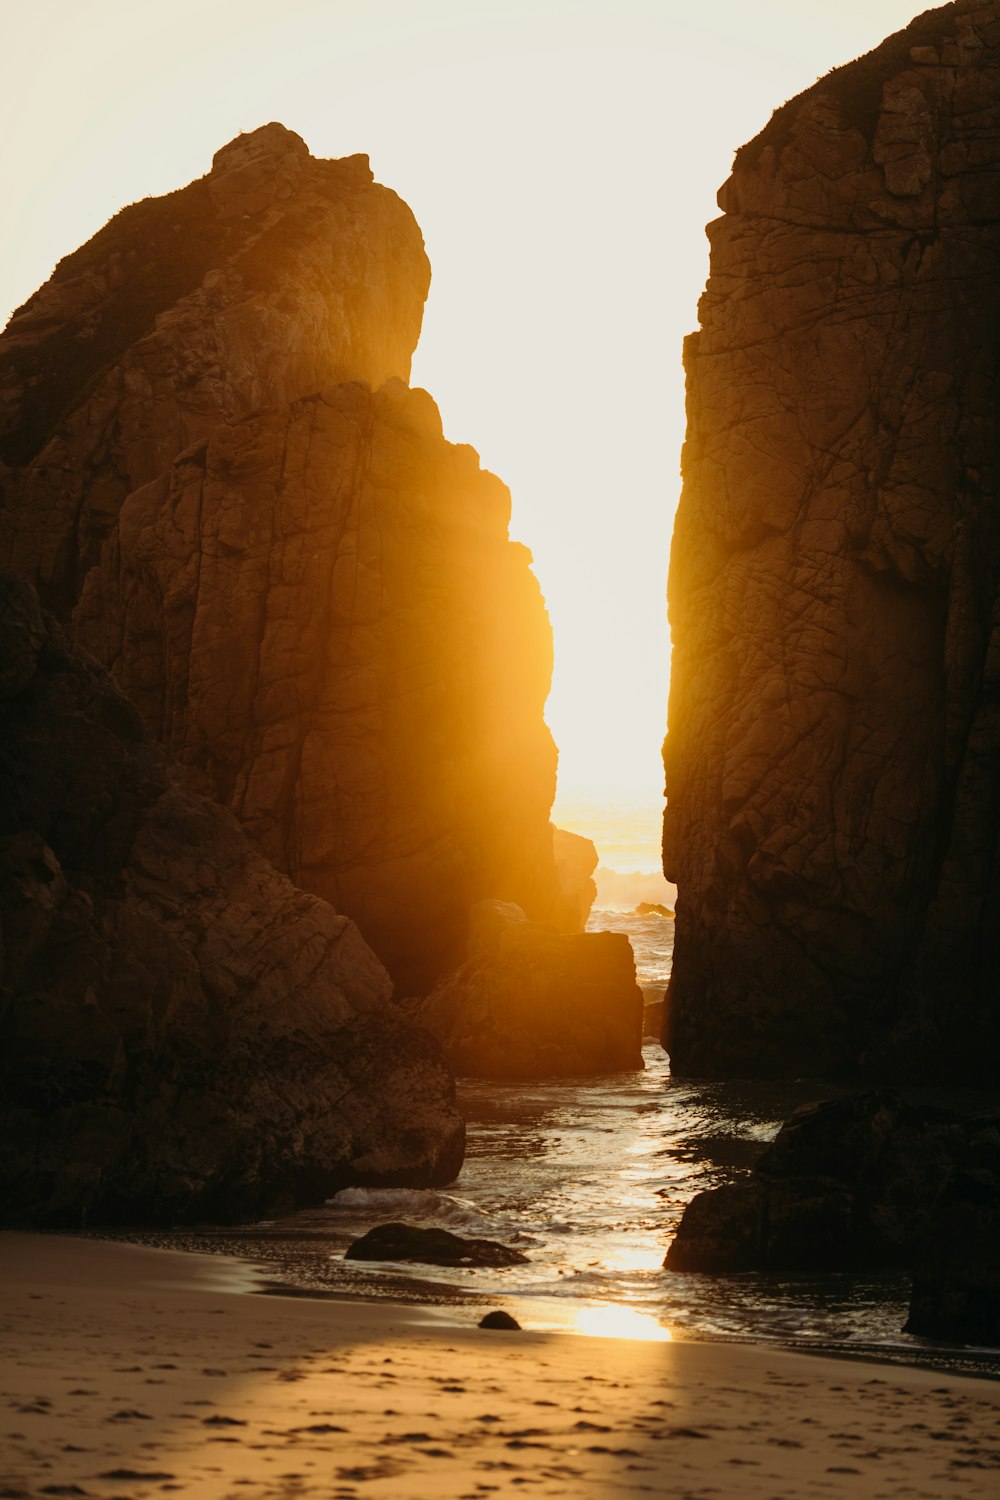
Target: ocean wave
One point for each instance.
(422, 1204)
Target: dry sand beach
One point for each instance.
(131, 1372)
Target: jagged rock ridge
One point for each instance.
(183, 1033)
(309, 594)
(833, 760)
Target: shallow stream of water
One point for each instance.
(589, 1179)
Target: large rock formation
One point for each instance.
(274, 275)
(183, 1033)
(868, 1181)
(833, 760)
(308, 593)
(847, 1183)
(530, 1002)
(319, 611)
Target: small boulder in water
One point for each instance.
(432, 1247)
(530, 1002)
(652, 909)
(499, 1319)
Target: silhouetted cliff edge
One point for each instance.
(833, 759)
(219, 480)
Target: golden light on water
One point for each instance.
(616, 1321)
(562, 158)
(648, 1257)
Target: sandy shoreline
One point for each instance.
(129, 1372)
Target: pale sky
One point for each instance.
(562, 158)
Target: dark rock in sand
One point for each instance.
(833, 760)
(530, 1002)
(956, 1276)
(847, 1183)
(183, 1033)
(432, 1247)
(499, 1319)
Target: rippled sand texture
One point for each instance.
(136, 1372)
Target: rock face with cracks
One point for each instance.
(218, 476)
(274, 275)
(319, 611)
(833, 760)
(183, 1033)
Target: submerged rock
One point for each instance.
(833, 760)
(530, 1002)
(183, 1033)
(432, 1247)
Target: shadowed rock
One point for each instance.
(432, 1247)
(530, 1002)
(182, 1033)
(217, 469)
(833, 760)
(956, 1273)
(500, 1319)
(847, 1183)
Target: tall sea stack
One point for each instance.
(833, 756)
(218, 479)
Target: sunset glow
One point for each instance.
(562, 159)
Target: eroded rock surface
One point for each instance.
(308, 593)
(833, 761)
(847, 1183)
(319, 611)
(530, 1002)
(183, 1033)
(269, 278)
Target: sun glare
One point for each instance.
(615, 1321)
(566, 237)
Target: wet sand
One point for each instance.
(132, 1372)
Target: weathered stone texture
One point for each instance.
(320, 613)
(264, 281)
(308, 593)
(833, 761)
(183, 1033)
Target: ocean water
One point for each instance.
(589, 1178)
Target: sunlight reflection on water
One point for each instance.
(611, 1321)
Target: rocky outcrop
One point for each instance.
(530, 1002)
(868, 1182)
(318, 610)
(430, 1247)
(833, 760)
(183, 1033)
(956, 1275)
(847, 1183)
(274, 275)
(575, 861)
(308, 593)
